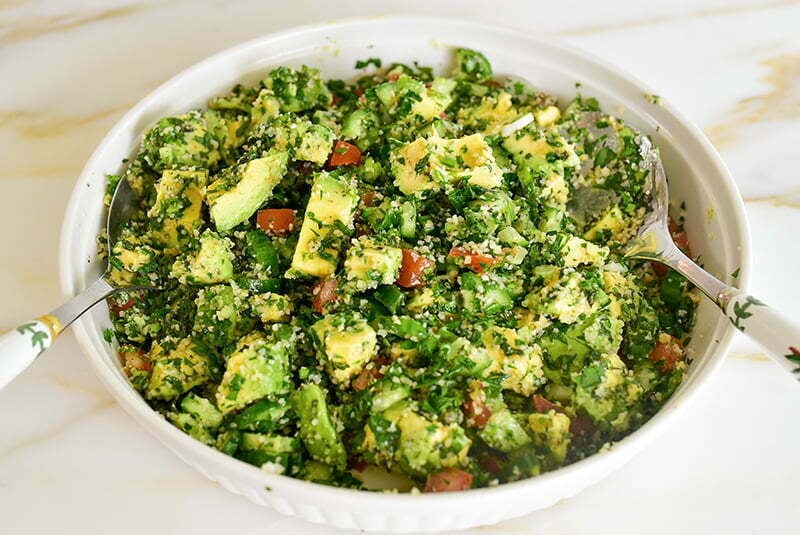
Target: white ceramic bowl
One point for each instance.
(697, 176)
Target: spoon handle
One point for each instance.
(20, 346)
(771, 330)
(775, 333)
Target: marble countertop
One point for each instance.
(72, 462)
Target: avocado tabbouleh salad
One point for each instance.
(413, 272)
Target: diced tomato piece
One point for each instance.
(414, 266)
(393, 77)
(448, 480)
(660, 269)
(681, 239)
(135, 359)
(276, 221)
(117, 306)
(542, 404)
(667, 352)
(491, 464)
(474, 261)
(322, 293)
(358, 464)
(380, 362)
(344, 153)
(476, 411)
(372, 372)
(361, 382)
(582, 425)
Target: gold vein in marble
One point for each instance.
(62, 383)
(754, 357)
(781, 102)
(38, 124)
(55, 431)
(20, 30)
(66, 139)
(11, 4)
(706, 13)
(790, 199)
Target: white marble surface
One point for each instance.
(72, 462)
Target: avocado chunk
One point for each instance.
(131, 254)
(369, 265)
(228, 442)
(258, 367)
(519, 363)
(301, 139)
(432, 163)
(472, 65)
(408, 99)
(491, 114)
(503, 432)
(566, 300)
(263, 416)
(273, 453)
(577, 251)
(198, 417)
(298, 90)
(425, 445)
(271, 307)
(538, 149)
(317, 430)
(328, 220)
(177, 368)
(265, 107)
(235, 197)
(346, 343)
(221, 316)
(189, 140)
(551, 436)
(188, 424)
(201, 408)
(176, 214)
(363, 127)
(319, 472)
(607, 391)
(212, 263)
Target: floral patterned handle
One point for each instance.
(19, 347)
(761, 323)
(779, 336)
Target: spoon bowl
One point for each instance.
(20, 346)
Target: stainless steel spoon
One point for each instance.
(654, 242)
(20, 346)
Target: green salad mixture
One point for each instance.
(411, 272)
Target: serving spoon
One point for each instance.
(751, 316)
(20, 346)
